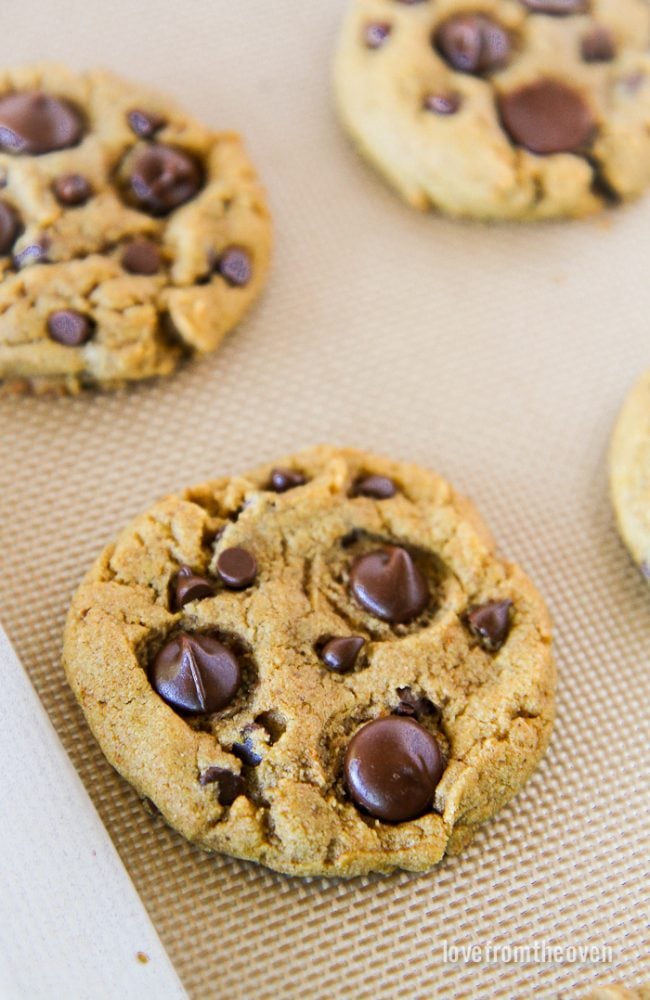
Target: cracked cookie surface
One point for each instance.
(322, 665)
(500, 109)
(130, 234)
(629, 473)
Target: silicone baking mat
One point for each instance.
(498, 356)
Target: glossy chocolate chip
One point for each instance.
(473, 43)
(375, 34)
(231, 785)
(33, 253)
(36, 123)
(237, 567)
(9, 227)
(235, 266)
(557, 7)
(69, 327)
(598, 45)
(163, 178)
(285, 479)
(547, 117)
(376, 487)
(144, 123)
(389, 585)
(413, 705)
(141, 257)
(340, 652)
(442, 104)
(72, 190)
(392, 768)
(195, 674)
(189, 586)
(490, 623)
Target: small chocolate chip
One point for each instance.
(414, 705)
(72, 190)
(163, 178)
(557, 7)
(547, 117)
(598, 45)
(69, 327)
(442, 104)
(189, 586)
(235, 266)
(246, 750)
(36, 123)
(473, 43)
(34, 253)
(490, 623)
(231, 785)
(285, 479)
(195, 674)
(375, 487)
(144, 123)
(141, 257)
(9, 227)
(375, 34)
(340, 652)
(389, 585)
(392, 768)
(237, 567)
(351, 538)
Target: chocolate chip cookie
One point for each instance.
(130, 235)
(629, 473)
(501, 109)
(322, 665)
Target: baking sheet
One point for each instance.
(497, 356)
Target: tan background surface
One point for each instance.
(497, 356)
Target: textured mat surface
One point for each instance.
(499, 357)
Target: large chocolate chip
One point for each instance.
(375, 34)
(72, 189)
(231, 785)
(33, 122)
(70, 328)
(598, 45)
(195, 674)
(163, 178)
(376, 487)
(547, 117)
(557, 7)
(392, 767)
(237, 567)
(388, 584)
(9, 227)
(235, 266)
(189, 586)
(340, 653)
(145, 123)
(141, 257)
(285, 479)
(473, 43)
(490, 623)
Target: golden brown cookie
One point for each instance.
(500, 109)
(629, 473)
(323, 665)
(130, 235)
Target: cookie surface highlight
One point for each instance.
(629, 473)
(130, 234)
(272, 710)
(500, 109)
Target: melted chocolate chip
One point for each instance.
(557, 7)
(231, 785)
(547, 117)
(414, 705)
(285, 479)
(389, 585)
(34, 253)
(163, 178)
(71, 190)
(598, 45)
(141, 257)
(442, 104)
(340, 652)
(189, 586)
(9, 227)
(237, 567)
(392, 768)
(33, 122)
(376, 487)
(69, 327)
(195, 674)
(145, 123)
(235, 266)
(375, 35)
(490, 623)
(473, 43)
